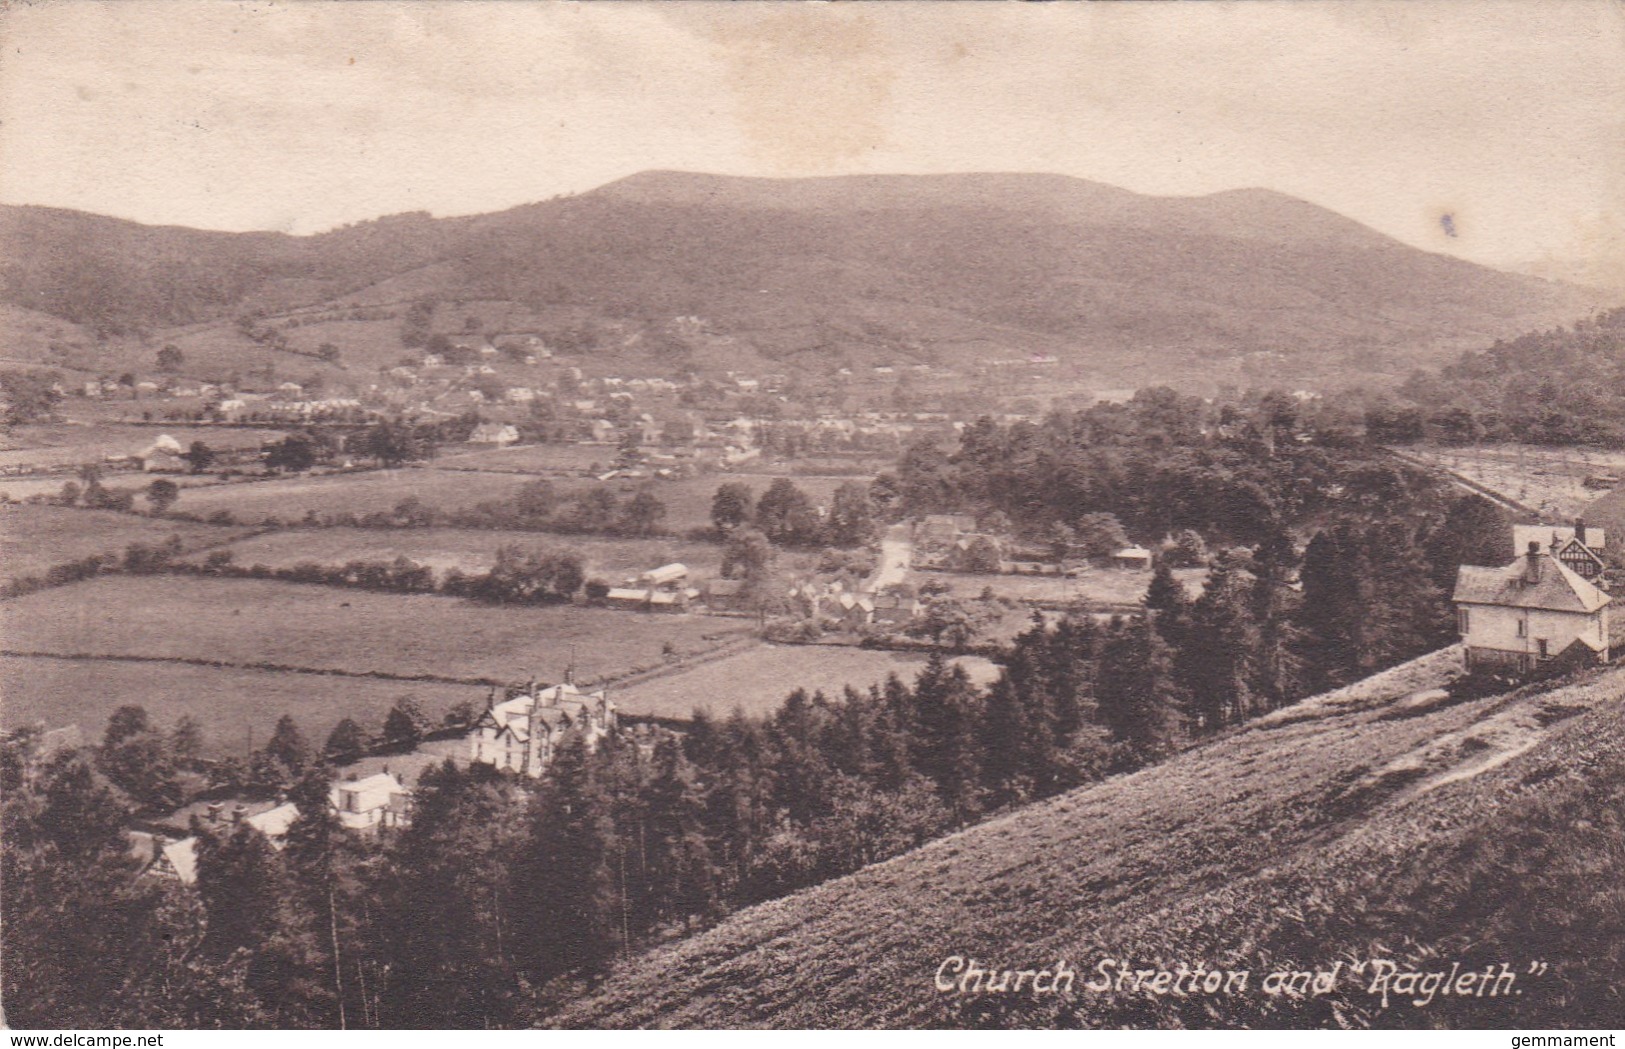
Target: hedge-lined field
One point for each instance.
(255, 622)
(33, 538)
(233, 705)
(375, 491)
(469, 549)
(756, 681)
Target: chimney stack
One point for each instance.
(1531, 566)
(1580, 530)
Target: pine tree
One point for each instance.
(287, 745)
(1277, 672)
(446, 923)
(346, 742)
(1474, 531)
(567, 918)
(1215, 657)
(1138, 697)
(1334, 617)
(77, 920)
(247, 898)
(943, 745)
(683, 876)
(1166, 594)
(1006, 738)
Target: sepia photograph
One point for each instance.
(787, 515)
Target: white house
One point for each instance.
(521, 734)
(1533, 610)
(378, 800)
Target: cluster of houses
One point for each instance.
(1547, 608)
(169, 847)
(518, 734)
(850, 608)
(952, 543)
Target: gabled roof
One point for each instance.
(1574, 548)
(1560, 588)
(275, 822)
(1549, 536)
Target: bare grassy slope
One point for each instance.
(1354, 825)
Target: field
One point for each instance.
(1547, 480)
(253, 622)
(67, 444)
(377, 490)
(33, 538)
(231, 704)
(470, 549)
(756, 681)
(1361, 824)
(529, 458)
(1099, 586)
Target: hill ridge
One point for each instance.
(854, 267)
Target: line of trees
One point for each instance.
(787, 516)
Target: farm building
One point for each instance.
(724, 595)
(499, 434)
(895, 608)
(521, 734)
(627, 598)
(1137, 558)
(377, 801)
(1530, 612)
(943, 528)
(649, 599)
(855, 611)
(163, 456)
(665, 575)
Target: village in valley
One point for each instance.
(809, 559)
(494, 570)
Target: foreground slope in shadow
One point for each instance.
(1383, 821)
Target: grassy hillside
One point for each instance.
(817, 273)
(1378, 822)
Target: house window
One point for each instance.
(1523, 628)
(1463, 621)
(1540, 648)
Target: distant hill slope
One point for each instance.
(1356, 825)
(940, 268)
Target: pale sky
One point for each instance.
(1508, 115)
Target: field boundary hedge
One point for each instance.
(279, 668)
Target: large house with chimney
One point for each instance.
(522, 733)
(1579, 547)
(1530, 613)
